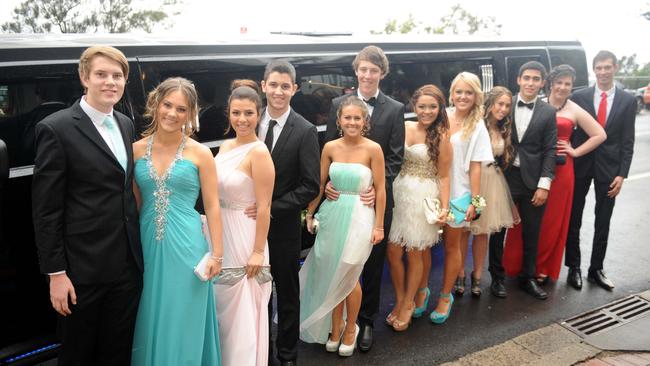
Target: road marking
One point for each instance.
(638, 176)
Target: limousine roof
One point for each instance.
(26, 47)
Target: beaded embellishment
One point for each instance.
(161, 194)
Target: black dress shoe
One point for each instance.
(365, 338)
(289, 363)
(574, 278)
(600, 279)
(498, 289)
(532, 288)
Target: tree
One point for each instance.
(458, 21)
(80, 16)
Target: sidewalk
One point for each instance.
(551, 346)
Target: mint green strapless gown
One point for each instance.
(177, 322)
(334, 264)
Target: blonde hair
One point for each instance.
(476, 113)
(162, 90)
(107, 51)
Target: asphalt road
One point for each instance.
(478, 324)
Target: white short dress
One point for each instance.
(416, 181)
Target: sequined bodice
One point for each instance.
(417, 162)
(175, 190)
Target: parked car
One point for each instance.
(642, 96)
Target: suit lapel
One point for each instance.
(284, 136)
(88, 129)
(125, 131)
(589, 102)
(377, 111)
(616, 104)
(515, 134)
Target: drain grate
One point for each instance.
(608, 317)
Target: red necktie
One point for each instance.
(602, 109)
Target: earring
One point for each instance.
(183, 129)
(338, 129)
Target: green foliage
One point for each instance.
(457, 21)
(631, 73)
(81, 16)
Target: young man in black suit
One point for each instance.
(85, 216)
(387, 129)
(534, 136)
(293, 142)
(607, 166)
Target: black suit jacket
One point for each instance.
(536, 148)
(614, 156)
(386, 129)
(84, 210)
(297, 175)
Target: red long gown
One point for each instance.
(555, 223)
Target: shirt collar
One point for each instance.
(96, 116)
(280, 120)
(361, 96)
(519, 97)
(609, 92)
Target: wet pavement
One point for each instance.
(477, 324)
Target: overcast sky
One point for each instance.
(598, 24)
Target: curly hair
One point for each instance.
(476, 112)
(557, 72)
(164, 89)
(504, 126)
(440, 125)
(352, 100)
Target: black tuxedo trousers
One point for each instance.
(531, 221)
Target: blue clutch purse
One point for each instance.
(459, 206)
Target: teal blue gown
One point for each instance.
(177, 322)
(342, 246)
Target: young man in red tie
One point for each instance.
(607, 166)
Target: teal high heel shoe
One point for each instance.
(420, 310)
(438, 318)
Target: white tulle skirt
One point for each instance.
(410, 228)
(500, 211)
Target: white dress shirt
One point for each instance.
(523, 115)
(277, 129)
(610, 99)
(370, 108)
(97, 118)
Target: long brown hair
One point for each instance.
(161, 91)
(439, 127)
(504, 126)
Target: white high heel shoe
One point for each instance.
(346, 350)
(333, 346)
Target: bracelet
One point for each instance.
(379, 228)
(309, 215)
(217, 259)
(258, 251)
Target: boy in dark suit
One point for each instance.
(607, 166)
(387, 129)
(85, 216)
(534, 136)
(293, 142)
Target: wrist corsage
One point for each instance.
(479, 203)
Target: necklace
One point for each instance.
(563, 104)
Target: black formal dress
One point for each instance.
(536, 152)
(610, 159)
(297, 180)
(386, 129)
(86, 223)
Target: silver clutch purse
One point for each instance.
(232, 275)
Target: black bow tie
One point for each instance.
(521, 103)
(371, 102)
